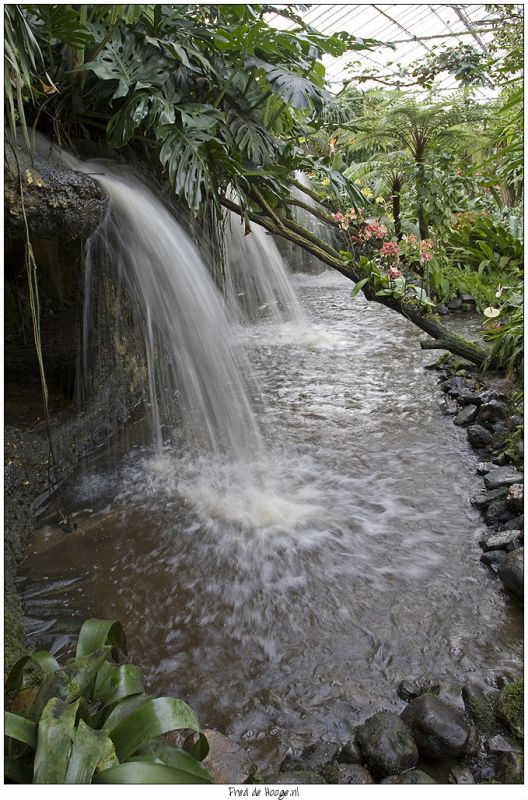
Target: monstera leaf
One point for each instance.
(251, 138)
(131, 64)
(294, 89)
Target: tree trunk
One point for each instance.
(410, 309)
(396, 197)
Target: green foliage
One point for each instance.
(90, 720)
(477, 241)
(510, 707)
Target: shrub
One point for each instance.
(90, 720)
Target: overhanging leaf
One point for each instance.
(142, 772)
(95, 633)
(358, 287)
(174, 757)
(151, 720)
(88, 747)
(116, 681)
(20, 728)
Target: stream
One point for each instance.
(284, 598)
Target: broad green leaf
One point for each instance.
(358, 287)
(89, 746)
(149, 721)
(200, 748)
(124, 124)
(296, 90)
(96, 633)
(56, 731)
(62, 22)
(116, 681)
(251, 138)
(141, 772)
(173, 757)
(69, 682)
(20, 728)
(41, 659)
(122, 710)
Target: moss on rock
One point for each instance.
(510, 707)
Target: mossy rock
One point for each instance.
(510, 707)
(482, 714)
(14, 647)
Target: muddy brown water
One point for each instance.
(285, 597)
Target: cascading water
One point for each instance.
(258, 282)
(192, 365)
(300, 260)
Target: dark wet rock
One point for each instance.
(353, 774)
(483, 467)
(414, 776)
(451, 407)
(226, 761)
(453, 386)
(492, 411)
(58, 202)
(511, 572)
(479, 708)
(387, 744)
(302, 777)
(510, 768)
(440, 730)
(468, 300)
(510, 707)
(461, 775)
(469, 398)
(315, 757)
(414, 687)
(503, 540)
(515, 524)
(478, 437)
(498, 511)
(483, 498)
(493, 558)
(465, 415)
(442, 309)
(503, 476)
(498, 745)
(515, 498)
(455, 305)
(350, 753)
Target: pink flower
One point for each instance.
(394, 273)
(426, 257)
(390, 249)
(375, 230)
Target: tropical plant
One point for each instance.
(90, 720)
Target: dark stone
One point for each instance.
(493, 558)
(455, 305)
(498, 745)
(511, 768)
(465, 415)
(468, 300)
(491, 412)
(353, 774)
(511, 572)
(469, 398)
(58, 202)
(387, 744)
(503, 540)
(301, 776)
(350, 753)
(484, 498)
(461, 775)
(517, 524)
(483, 467)
(479, 708)
(503, 476)
(497, 512)
(478, 437)
(414, 687)
(315, 757)
(440, 730)
(515, 498)
(453, 386)
(412, 777)
(442, 309)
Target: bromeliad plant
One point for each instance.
(90, 720)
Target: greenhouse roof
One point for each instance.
(414, 30)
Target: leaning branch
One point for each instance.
(412, 310)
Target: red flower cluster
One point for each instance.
(375, 230)
(352, 215)
(390, 249)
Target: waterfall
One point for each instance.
(195, 373)
(257, 280)
(299, 259)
